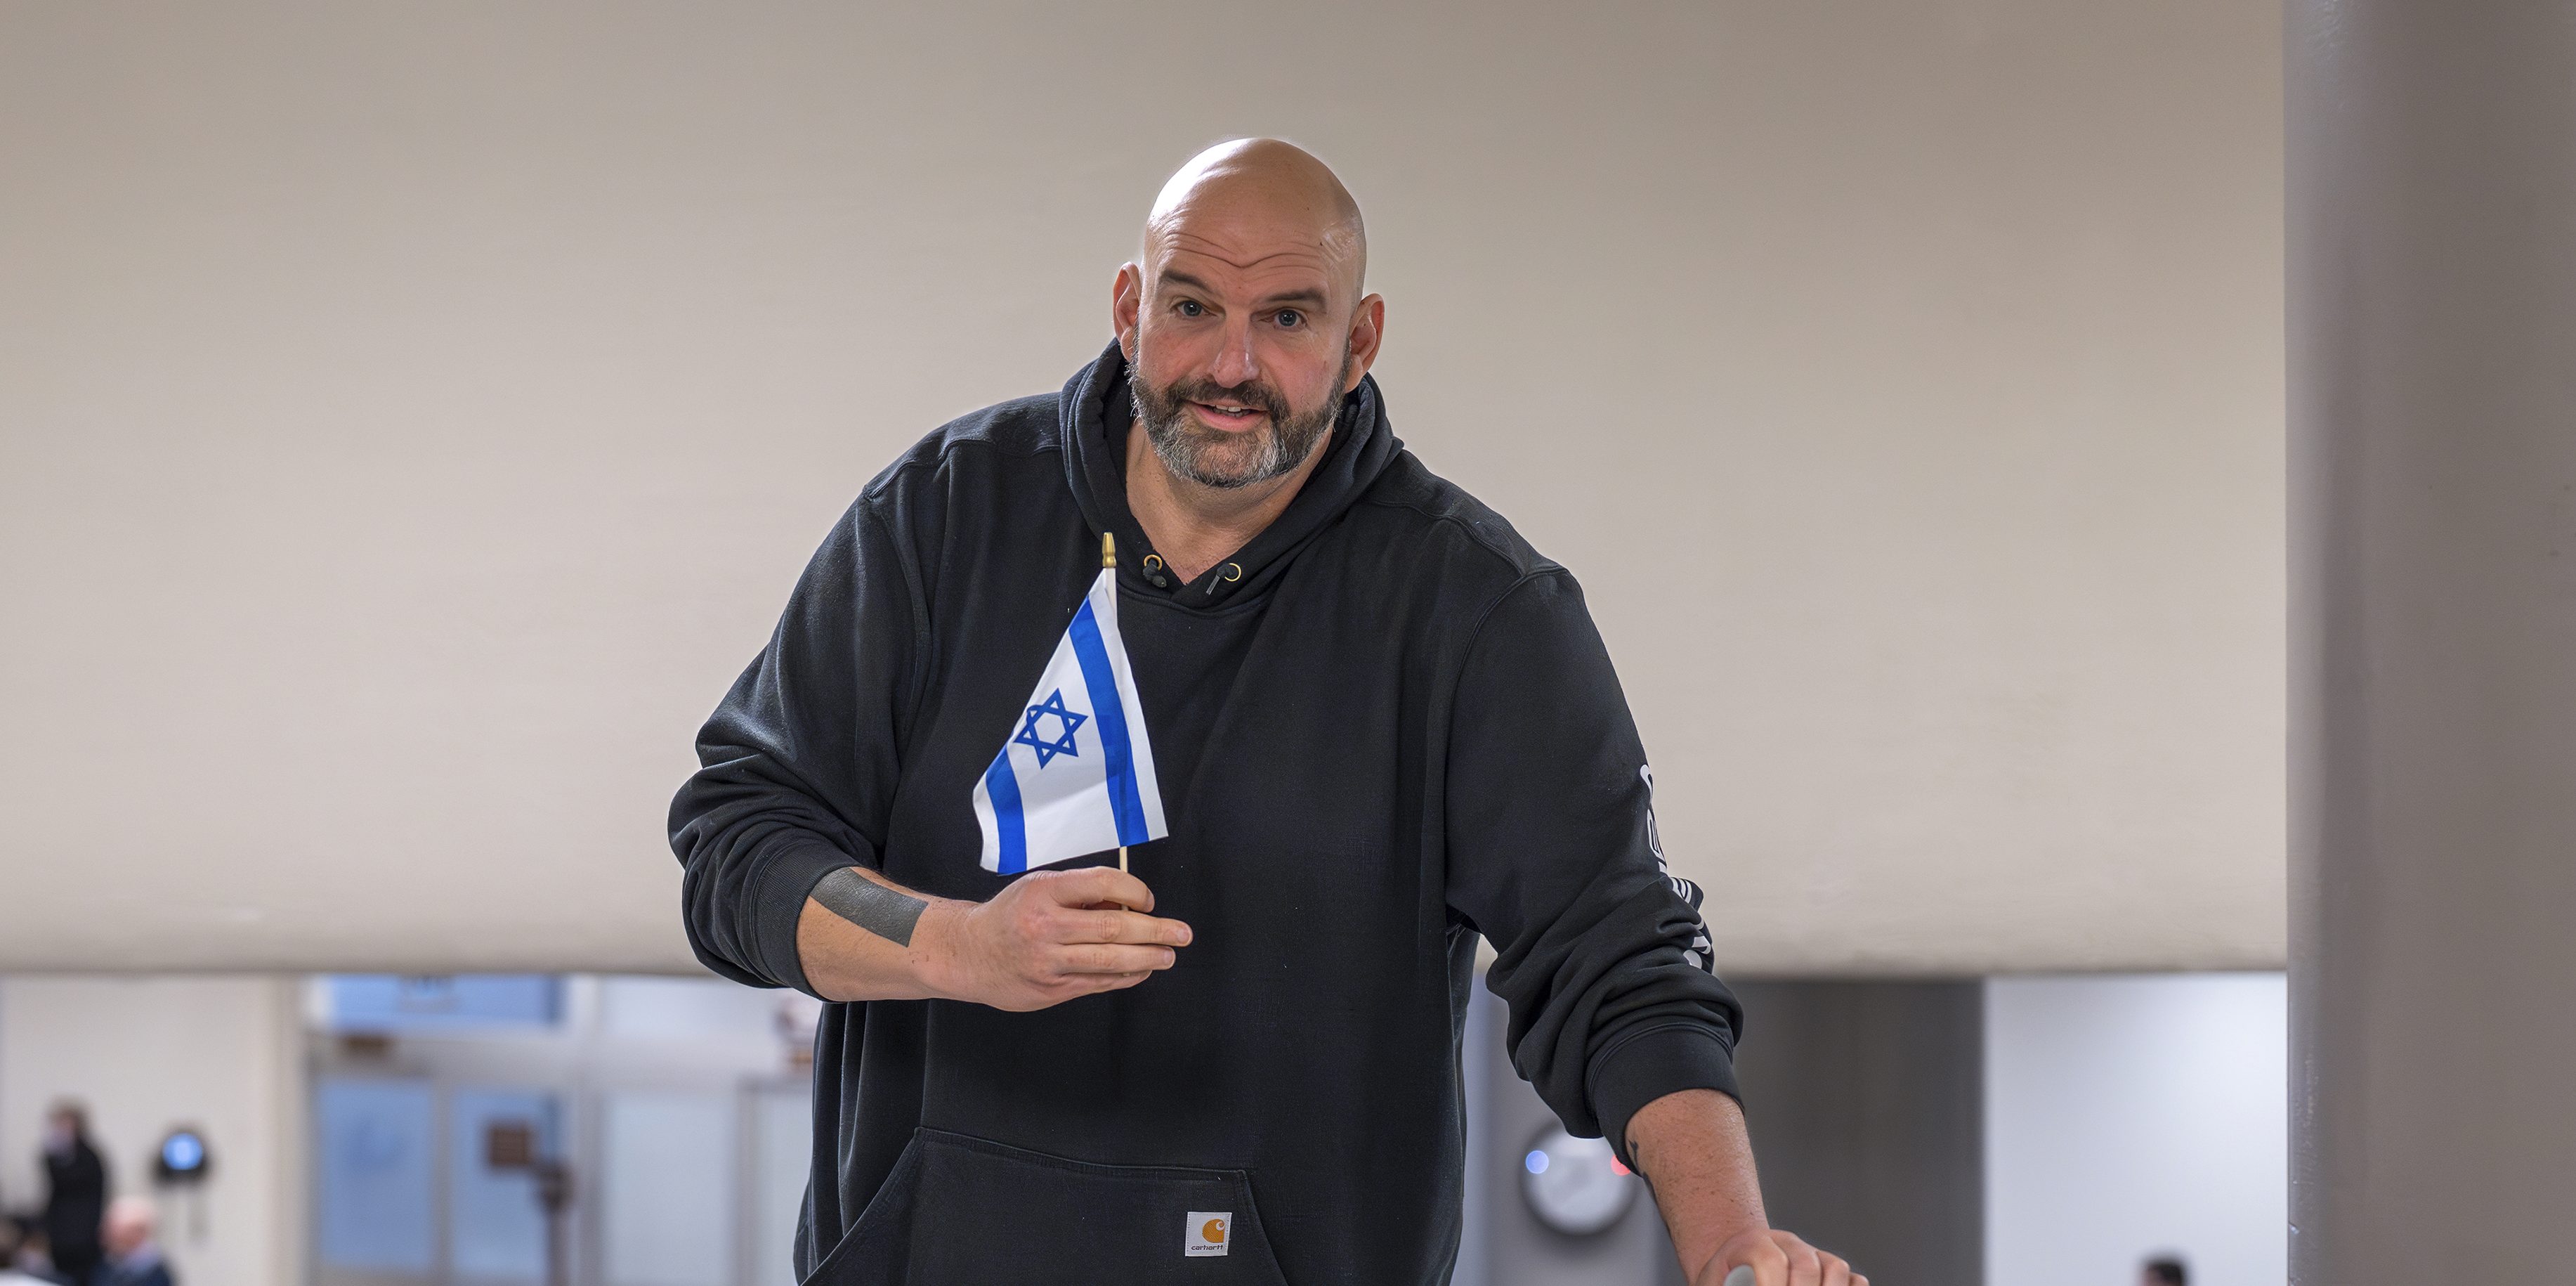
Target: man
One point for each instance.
(1385, 726)
(133, 1256)
(2164, 1270)
(75, 1192)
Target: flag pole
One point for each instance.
(1109, 560)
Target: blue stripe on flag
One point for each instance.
(1007, 824)
(1124, 802)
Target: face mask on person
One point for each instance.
(59, 1139)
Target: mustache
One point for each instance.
(1254, 393)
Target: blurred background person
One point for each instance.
(133, 1254)
(2164, 1270)
(24, 1260)
(12, 1236)
(76, 1184)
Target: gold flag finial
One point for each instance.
(1108, 550)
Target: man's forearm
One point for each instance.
(1046, 938)
(864, 937)
(1693, 1150)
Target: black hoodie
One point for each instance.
(1384, 727)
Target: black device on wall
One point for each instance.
(181, 1165)
(184, 1158)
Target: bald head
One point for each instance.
(1245, 321)
(1257, 197)
(129, 1225)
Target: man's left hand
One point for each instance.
(1778, 1259)
(1692, 1148)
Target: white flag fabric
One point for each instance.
(1076, 776)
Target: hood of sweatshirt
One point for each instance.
(1096, 413)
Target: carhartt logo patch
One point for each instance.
(1207, 1232)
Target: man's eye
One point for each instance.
(1290, 317)
(1188, 308)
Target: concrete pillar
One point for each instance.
(2432, 346)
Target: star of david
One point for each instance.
(1066, 719)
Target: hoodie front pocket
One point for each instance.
(975, 1211)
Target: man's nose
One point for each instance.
(1235, 364)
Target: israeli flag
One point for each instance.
(1076, 776)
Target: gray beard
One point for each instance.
(1191, 452)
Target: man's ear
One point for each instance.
(1126, 299)
(1368, 330)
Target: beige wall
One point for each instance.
(412, 418)
(223, 1055)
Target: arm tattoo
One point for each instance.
(871, 906)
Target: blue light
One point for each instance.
(183, 1152)
(1536, 1161)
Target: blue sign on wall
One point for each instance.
(396, 1003)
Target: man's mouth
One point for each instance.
(1226, 416)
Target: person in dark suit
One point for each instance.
(76, 1184)
(133, 1256)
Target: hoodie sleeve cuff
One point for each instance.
(1651, 1064)
(779, 901)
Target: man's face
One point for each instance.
(1186, 424)
(1242, 350)
(123, 1232)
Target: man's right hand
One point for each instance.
(1046, 938)
(1052, 937)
